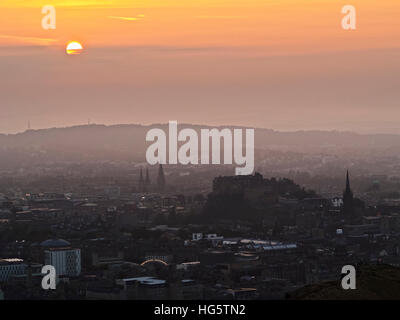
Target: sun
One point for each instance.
(74, 47)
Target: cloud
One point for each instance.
(138, 17)
(30, 40)
(58, 3)
(123, 18)
(221, 17)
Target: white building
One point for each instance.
(214, 238)
(187, 265)
(65, 259)
(337, 202)
(197, 236)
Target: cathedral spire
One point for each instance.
(161, 179)
(347, 182)
(348, 208)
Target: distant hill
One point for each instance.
(127, 142)
(374, 282)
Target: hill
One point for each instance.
(127, 142)
(374, 282)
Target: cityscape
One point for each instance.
(194, 158)
(131, 231)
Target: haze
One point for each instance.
(285, 65)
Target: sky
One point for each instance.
(280, 64)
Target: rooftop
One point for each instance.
(55, 243)
(11, 261)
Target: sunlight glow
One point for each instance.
(74, 47)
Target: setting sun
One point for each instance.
(74, 48)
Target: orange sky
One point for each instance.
(273, 26)
(280, 64)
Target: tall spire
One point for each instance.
(347, 181)
(348, 208)
(161, 179)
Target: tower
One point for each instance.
(161, 179)
(62, 256)
(348, 208)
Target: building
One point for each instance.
(65, 259)
(348, 199)
(337, 202)
(242, 294)
(11, 267)
(144, 288)
(112, 192)
(144, 184)
(238, 184)
(161, 179)
(99, 260)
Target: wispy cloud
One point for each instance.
(138, 17)
(221, 17)
(57, 3)
(123, 18)
(30, 40)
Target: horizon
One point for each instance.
(287, 64)
(182, 124)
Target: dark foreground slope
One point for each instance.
(374, 282)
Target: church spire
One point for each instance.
(347, 182)
(161, 179)
(348, 208)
